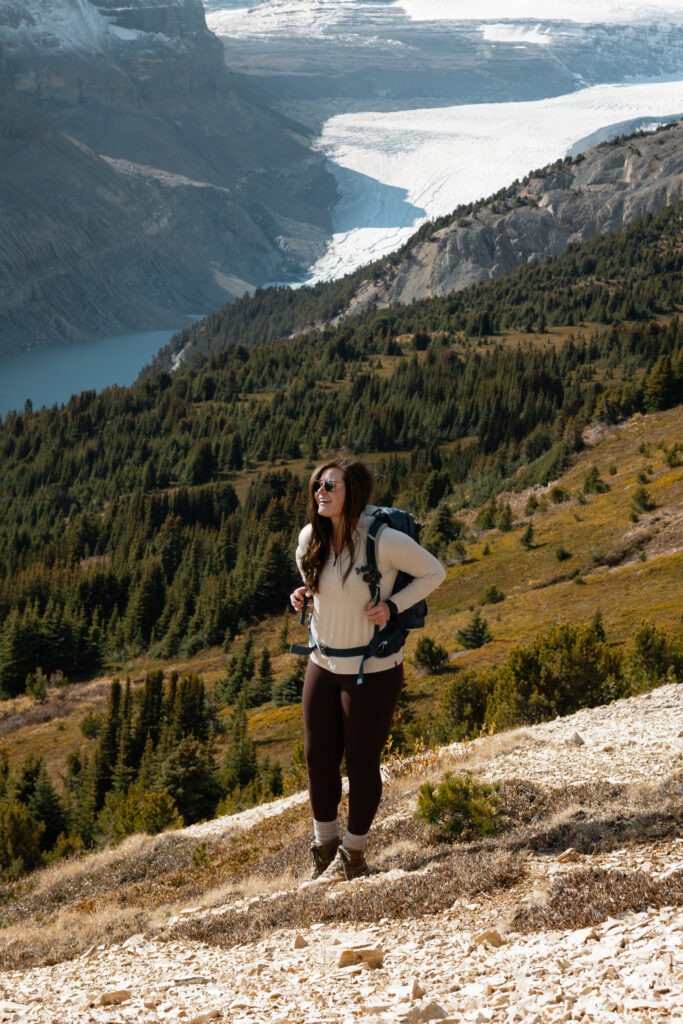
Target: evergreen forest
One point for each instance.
(122, 529)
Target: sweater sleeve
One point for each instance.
(398, 551)
(302, 544)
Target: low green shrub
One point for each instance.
(462, 706)
(593, 484)
(531, 505)
(641, 500)
(492, 595)
(429, 655)
(459, 807)
(654, 659)
(91, 725)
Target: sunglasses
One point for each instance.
(329, 485)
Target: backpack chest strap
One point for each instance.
(381, 645)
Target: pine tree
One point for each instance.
(240, 672)
(108, 746)
(283, 635)
(476, 633)
(147, 603)
(4, 773)
(289, 689)
(239, 765)
(260, 689)
(271, 774)
(660, 385)
(19, 841)
(82, 804)
(46, 809)
(504, 517)
(295, 778)
(148, 722)
(27, 778)
(188, 773)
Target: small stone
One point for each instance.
(417, 990)
(575, 741)
(196, 979)
(300, 942)
(492, 937)
(372, 957)
(115, 998)
(432, 1011)
(203, 1018)
(348, 958)
(569, 856)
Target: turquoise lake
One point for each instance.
(52, 375)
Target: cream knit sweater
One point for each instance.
(339, 618)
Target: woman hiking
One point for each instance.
(342, 718)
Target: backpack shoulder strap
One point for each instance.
(371, 573)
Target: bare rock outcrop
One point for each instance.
(601, 190)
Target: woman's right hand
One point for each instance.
(297, 598)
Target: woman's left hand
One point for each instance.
(379, 614)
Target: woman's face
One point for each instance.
(330, 502)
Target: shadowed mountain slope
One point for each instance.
(138, 184)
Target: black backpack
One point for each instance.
(393, 635)
(404, 522)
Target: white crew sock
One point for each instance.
(353, 842)
(325, 830)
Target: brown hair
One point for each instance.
(358, 489)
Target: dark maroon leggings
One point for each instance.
(341, 717)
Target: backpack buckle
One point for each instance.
(372, 577)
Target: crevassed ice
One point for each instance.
(395, 170)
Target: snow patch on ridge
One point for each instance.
(585, 12)
(309, 18)
(54, 25)
(522, 34)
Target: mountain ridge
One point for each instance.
(159, 106)
(572, 200)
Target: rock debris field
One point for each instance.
(466, 963)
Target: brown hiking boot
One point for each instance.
(323, 855)
(346, 865)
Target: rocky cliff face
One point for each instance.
(602, 190)
(148, 186)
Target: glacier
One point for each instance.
(431, 161)
(395, 168)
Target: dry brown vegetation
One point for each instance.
(244, 882)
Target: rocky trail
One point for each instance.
(358, 953)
